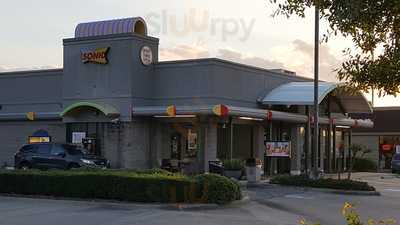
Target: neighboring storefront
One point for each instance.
(116, 99)
(384, 138)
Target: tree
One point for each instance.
(373, 25)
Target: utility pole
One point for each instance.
(316, 103)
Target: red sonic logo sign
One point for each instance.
(98, 55)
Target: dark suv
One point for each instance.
(396, 163)
(56, 156)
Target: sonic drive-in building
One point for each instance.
(116, 99)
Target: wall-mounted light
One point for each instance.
(302, 131)
(344, 127)
(250, 118)
(176, 116)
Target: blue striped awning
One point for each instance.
(117, 26)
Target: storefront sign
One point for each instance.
(278, 149)
(386, 147)
(77, 137)
(98, 55)
(33, 140)
(192, 140)
(146, 55)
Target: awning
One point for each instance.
(23, 116)
(108, 110)
(259, 114)
(302, 93)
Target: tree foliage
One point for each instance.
(373, 26)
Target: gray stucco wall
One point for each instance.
(127, 145)
(25, 91)
(213, 81)
(14, 135)
(125, 82)
(120, 83)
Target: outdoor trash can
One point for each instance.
(253, 172)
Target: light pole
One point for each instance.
(316, 105)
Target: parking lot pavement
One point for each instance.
(326, 207)
(386, 183)
(269, 205)
(27, 211)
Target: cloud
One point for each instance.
(235, 56)
(181, 52)
(298, 56)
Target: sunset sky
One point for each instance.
(32, 33)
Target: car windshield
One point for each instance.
(74, 150)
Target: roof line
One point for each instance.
(214, 59)
(31, 71)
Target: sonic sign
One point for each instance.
(98, 55)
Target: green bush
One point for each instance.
(233, 164)
(364, 165)
(322, 183)
(128, 185)
(119, 185)
(218, 189)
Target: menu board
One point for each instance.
(77, 137)
(278, 148)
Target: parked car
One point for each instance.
(396, 163)
(56, 156)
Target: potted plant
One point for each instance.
(233, 168)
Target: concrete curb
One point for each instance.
(345, 192)
(170, 206)
(88, 200)
(189, 207)
(333, 191)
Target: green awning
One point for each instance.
(108, 110)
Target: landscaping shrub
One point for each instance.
(218, 189)
(119, 185)
(128, 185)
(322, 183)
(364, 165)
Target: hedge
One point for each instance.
(364, 165)
(303, 181)
(137, 186)
(218, 189)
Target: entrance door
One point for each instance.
(90, 135)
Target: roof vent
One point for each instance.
(287, 72)
(133, 25)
